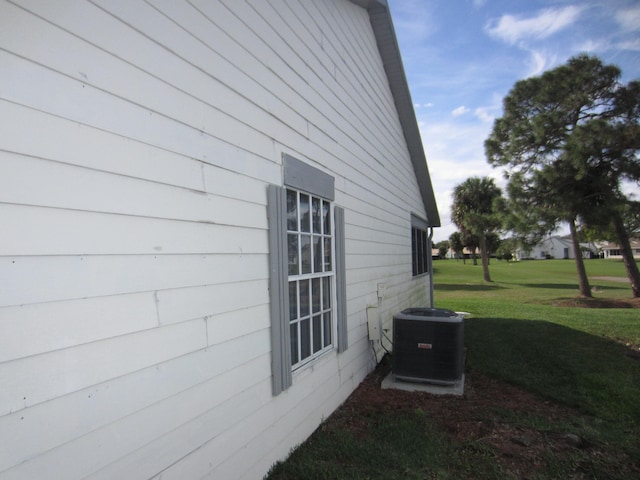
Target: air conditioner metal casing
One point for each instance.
(428, 346)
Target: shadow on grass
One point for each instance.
(452, 287)
(590, 373)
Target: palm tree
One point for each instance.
(476, 210)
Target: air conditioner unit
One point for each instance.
(428, 346)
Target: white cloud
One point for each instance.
(539, 62)
(633, 45)
(454, 153)
(513, 29)
(488, 113)
(460, 111)
(415, 19)
(629, 19)
(593, 45)
(484, 114)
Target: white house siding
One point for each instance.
(612, 250)
(137, 143)
(555, 247)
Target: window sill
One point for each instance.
(425, 274)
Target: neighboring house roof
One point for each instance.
(384, 32)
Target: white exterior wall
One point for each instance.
(612, 250)
(553, 246)
(137, 142)
(556, 247)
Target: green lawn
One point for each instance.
(530, 290)
(585, 360)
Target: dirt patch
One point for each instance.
(489, 416)
(612, 279)
(583, 302)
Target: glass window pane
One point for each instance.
(294, 343)
(292, 248)
(427, 253)
(305, 339)
(421, 251)
(315, 295)
(293, 300)
(317, 254)
(327, 255)
(317, 333)
(305, 251)
(304, 298)
(305, 217)
(309, 249)
(414, 251)
(326, 216)
(292, 210)
(316, 213)
(327, 328)
(326, 293)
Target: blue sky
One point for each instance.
(462, 57)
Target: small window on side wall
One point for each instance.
(419, 246)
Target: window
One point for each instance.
(307, 281)
(310, 271)
(420, 250)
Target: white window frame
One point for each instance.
(297, 318)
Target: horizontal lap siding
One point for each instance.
(158, 403)
(142, 138)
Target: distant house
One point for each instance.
(466, 253)
(612, 250)
(554, 247)
(200, 200)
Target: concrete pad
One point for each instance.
(457, 388)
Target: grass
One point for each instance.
(581, 359)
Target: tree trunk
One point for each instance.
(585, 289)
(474, 256)
(627, 255)
(484, 255)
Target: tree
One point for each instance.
(607, 150)
(630, 212)
(493, 243)
(476, 211)
(457, 245)
(507, 248)
(471, 243)
(569, 138)
(443, 248)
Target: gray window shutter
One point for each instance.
(341, 280)
(279, 290)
